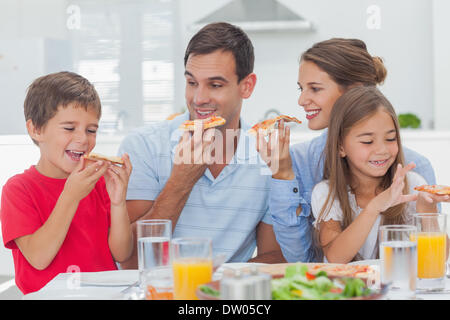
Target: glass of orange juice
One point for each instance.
(431, 250)
(192, 266)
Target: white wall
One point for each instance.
(404, 41)
(441, 28)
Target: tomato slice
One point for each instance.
(336, 290)
(310, 276)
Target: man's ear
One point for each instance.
(34, 133)
(248, 85)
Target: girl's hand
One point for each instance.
(427, 202)
(275, 152)
(82, 180)
(393, 195)
(116, 179)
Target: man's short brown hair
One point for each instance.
(226, 37)
(51, 91)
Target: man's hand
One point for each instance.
(192, 154)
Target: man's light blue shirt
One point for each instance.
(295, 233)
(226, 209)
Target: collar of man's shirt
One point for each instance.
(246, 149)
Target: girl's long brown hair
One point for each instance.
(355, 105)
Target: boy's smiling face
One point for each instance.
(67, 136)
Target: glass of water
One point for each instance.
(398, 255)
(153, 242)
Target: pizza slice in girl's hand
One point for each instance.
(434, 189)
(211, 122)
(268, 125)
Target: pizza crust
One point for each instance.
(434, 189)
(266, 126)
(211, 122)
(96, 156)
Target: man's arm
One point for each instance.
(269, 250)
(168, 205)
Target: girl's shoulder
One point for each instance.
(321, 188)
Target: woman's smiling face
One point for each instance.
(318, 94)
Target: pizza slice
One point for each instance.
(96, 156)
(434, 189)
(268, 125)
(211, 122)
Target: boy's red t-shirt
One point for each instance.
(28, 200)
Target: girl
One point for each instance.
(365, 184)
(327, 70)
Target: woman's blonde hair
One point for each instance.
(354, 106)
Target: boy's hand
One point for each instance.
(116, 179)
(82, 180)
(393, 195)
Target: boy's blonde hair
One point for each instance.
(51, 91)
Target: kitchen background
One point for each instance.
(133, 53)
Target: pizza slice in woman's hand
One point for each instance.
(268, 125)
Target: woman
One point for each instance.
(327, 70)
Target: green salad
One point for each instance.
(299, 284)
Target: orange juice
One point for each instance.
(188, 274)
(431, 248)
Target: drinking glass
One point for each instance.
(192, 266)
(398, 255)
(431, 250)
(154, 261)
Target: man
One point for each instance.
(225, 197)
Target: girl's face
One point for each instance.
(318, 94)
(371, 146)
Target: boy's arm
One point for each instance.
(41, 247)
(120, 237)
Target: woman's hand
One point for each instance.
(393, 195)
(275, 152)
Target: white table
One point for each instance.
(109, 285)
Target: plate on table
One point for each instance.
(339, 274)
(116, 278)
(371, 262)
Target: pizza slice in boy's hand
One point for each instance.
(96, 157)
(434, 189)
(211, 122)
(267, 125)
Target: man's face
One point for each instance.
(212, 87)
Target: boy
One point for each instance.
(65, 211)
